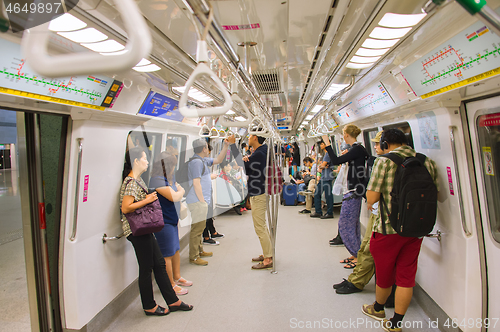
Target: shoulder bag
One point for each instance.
(147, 219)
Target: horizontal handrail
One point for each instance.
(36, 40)
(106, 238)
(437, 235)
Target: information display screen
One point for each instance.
(160, 106)
(16, 75)
(464, 59)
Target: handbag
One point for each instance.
(341, 181)
(147, 219)
(183, 213)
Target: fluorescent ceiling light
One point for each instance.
(147, 69)
(305, 123)
(333, 89)
(377, 43)
(388, 33)
(365, 59)
(89, 35)
(371, 52)
(317, 108)
(66, 22)
(353, 65)
(194, 93)
(143, 62)
(230, 112)
(105, 46)
(392, 20)
(309, 117)
(240, 118)
(114, 53)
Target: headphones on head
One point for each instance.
(383, 143)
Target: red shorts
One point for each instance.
(396, 259)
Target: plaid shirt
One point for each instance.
(382, 181)
(131, 188)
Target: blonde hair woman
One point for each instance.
(349, 226)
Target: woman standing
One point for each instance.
(171, 193)
(295, 158)
(349, 226)
(133, 196)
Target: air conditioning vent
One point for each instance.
(268, 81)
(277, 110)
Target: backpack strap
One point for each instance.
(204, 169)
(394, 157)
(421, 157)
(383, 205)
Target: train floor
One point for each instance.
(227, 295)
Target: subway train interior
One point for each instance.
(82, 82)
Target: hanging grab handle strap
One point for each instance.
(204, 131)
(224, 122)
(35, 42)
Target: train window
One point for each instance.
(489, 140)
(150, 142)
(367, 138)
(177, 145)
(405, 128)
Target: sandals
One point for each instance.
(346, 260)
(179, 290)
(160, 311)
(183, 282)
(182, 307)
(350, 265)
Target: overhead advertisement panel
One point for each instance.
(160, 106)
(17, 78)
(470, 56)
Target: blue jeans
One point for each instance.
(324, 186)
(302, 187)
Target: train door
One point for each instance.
(30, 206)
(484, 127)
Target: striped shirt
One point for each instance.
(131, 188)
(382, 181)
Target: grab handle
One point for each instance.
(204, 131)
(214, 133)
(77, 189)
(258, 127)
(203, 69)
(458, 186)
(35, 42)
(224, 122)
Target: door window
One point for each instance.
(488, 129)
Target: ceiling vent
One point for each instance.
(268, 81)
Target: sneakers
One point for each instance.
(327, 216)
(217, 236)
(305, 211)
(340, 284)
(348, 288)
(206, 254)
(315, 215)
(336, 242)
(198, 261)
(387, 326)
(369, 310)
(211, 242)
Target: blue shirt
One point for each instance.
(327, 173)
(199, 169)
(170, 209)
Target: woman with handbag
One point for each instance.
(133, 196)
(171, 193)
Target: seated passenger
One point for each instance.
(133, 196)
(171, 193)
(309, 176)
(225, 174)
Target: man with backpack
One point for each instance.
(403, 218)
(199, 194)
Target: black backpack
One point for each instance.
(364, 174)
(182, 174)
(413, 197)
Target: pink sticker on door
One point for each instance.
(450, 180)
(85, 188)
